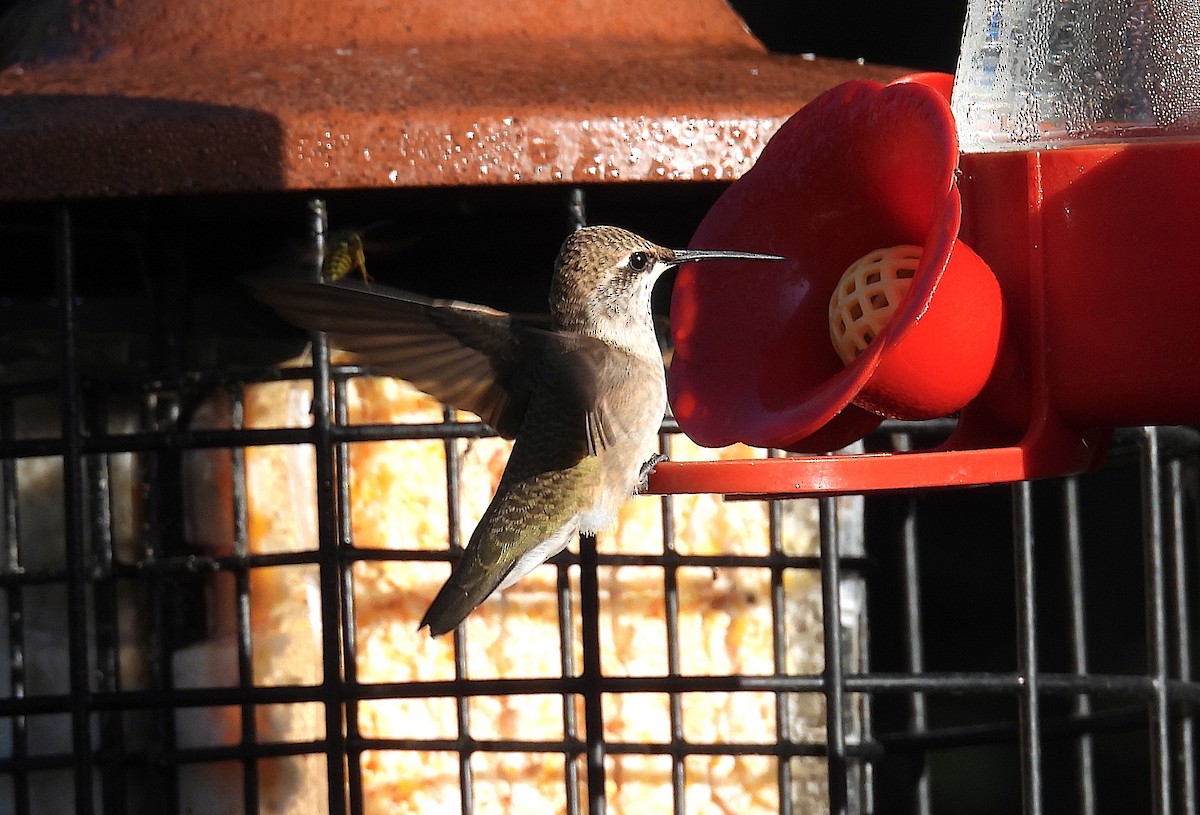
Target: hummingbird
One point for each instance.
(582, 399)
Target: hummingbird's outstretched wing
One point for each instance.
(469, 356)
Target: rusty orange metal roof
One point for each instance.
(227, 96)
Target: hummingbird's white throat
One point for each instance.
(621, 316)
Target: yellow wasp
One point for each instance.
(344, 255)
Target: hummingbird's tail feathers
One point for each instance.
(540, 553)
(451, 606)
(498, 555)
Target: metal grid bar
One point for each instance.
(354, 736)
(104, 603)
(589, 608)
(1027, 650)
(915, 656)
(783, 701)
(160, 633)
(674, 664)
(455, 542)
(330, 478)
(73, 523)
(1081, 706)
(564, 595)
(1156, 619)
(243, 630)
(833, 677)
(576, 220)
(591, 679)
(1185, 742)
(15, 615)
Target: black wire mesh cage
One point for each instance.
(214, 562)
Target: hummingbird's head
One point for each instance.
(603, 279)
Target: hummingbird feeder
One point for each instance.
(1024, 270)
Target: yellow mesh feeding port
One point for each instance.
(866, 295)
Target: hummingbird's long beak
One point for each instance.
(688, 255)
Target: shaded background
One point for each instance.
(920, 34)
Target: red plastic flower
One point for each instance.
(863, 167)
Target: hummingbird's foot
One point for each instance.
(647, 468)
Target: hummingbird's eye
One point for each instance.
(639, 261)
